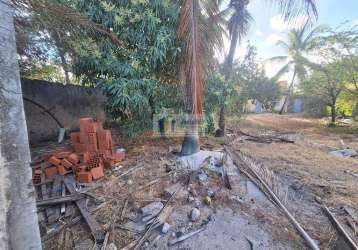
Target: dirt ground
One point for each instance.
(241, 218)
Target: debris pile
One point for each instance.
(92, 151)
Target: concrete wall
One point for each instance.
(67, 103)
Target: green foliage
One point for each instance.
(264, 90)
(139, 75)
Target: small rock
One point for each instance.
(211, 193)
(207, 200)
(168, 168)
(129, 182)
(191, 199)
(194, 214)
(165, 228)
(203, 177)
(111, 246)
(152, 208)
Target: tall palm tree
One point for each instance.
(301, 41)
(198, 29)
(238, 26)
(199, 33)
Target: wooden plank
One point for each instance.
(55, 192)
(59, 200)
(96, 229)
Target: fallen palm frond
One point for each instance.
(265, 180)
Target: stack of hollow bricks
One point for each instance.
(93, 151)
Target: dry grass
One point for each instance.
(308, 159)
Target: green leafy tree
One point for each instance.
(137, 71)
(327, 84)
(301, 41)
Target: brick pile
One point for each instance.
(92, 151)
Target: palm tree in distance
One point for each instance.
(300, 43)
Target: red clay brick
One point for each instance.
(75, 137)
(79, 148)
(54, 160)
(61, 170)
(92, 138)
(62, 154)
(84, 177)
(51, 171)
(84, 137)
(97, 173)
(91, 147)
(84, 123)
(66, 163)
(92, 127)
(73, 158)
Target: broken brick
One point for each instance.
(84, 177)
(97, 173)
(66, 163)
(73, 158)
(54, 160)
(51, 171)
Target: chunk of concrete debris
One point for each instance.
(348, 152)
(165, 228)
(194, 214)
(152, 209)
(203, 177)
(169, 191)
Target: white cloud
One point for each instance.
(355, 22)
(259, 33)
(273, 39)
(277, 23)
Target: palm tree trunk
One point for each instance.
(227, 73)
(18, 218)
(191, 144)
(290, 88)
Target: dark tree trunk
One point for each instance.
(227, 72)
(290, 88)
(191, 144)
(333, 113)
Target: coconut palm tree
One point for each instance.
(238, 25)
(301, 41)
(198, 31)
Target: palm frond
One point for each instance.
(294, 8)
(282, 71)
(199, 37)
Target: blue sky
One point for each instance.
(269, 27)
